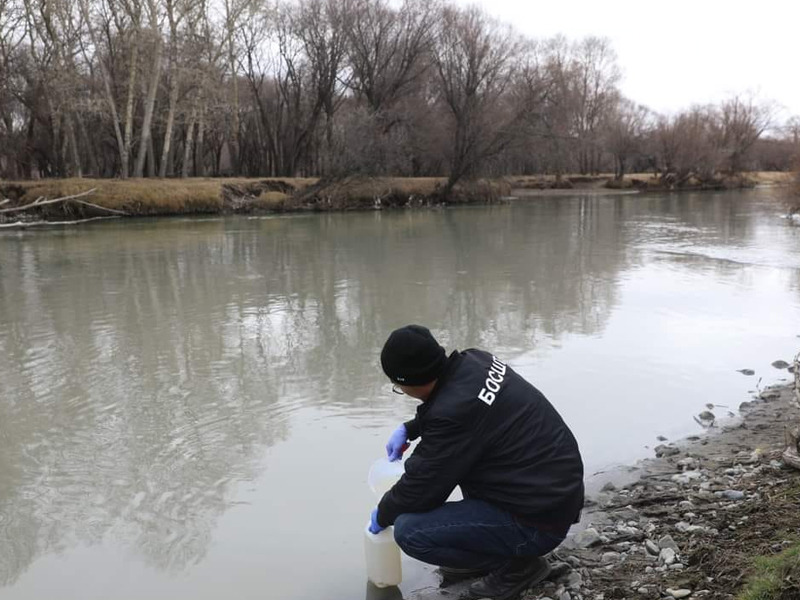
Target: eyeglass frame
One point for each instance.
(397, 389)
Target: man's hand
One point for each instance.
(373, 522)
(397, 444)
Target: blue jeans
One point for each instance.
(470, 534)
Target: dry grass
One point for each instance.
(148, 196)
(773, 177)
(760, 177)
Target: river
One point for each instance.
(189, 407)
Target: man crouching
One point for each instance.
(484, 428)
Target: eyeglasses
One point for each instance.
(396, 389)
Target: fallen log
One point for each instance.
(45, 202)
(26, 224)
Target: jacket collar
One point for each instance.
(449, 367)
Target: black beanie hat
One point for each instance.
(412, 356)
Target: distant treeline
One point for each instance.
(121, 88)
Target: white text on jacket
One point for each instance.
(497, 372)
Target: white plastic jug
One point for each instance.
(380, 549)
(383, 558)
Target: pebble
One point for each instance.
(664, 450)
(622, 546)
(558, 569)
(608, 487)
(706, 415)
(686, 477)
(628, 530)
(574, 561)
(661, 438)
(747, 372)
(610, 557)
(780, 364)
(652, 547)
(734, 471)
(682, 526)
(565, 596)
(667, 556)
(678, 594)
(667, 542)
(730, 494)
(574, 580)
(588, 538)
(676, 567)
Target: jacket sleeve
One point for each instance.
(412, 429)
(440, 461)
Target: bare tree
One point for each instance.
(12, 22)
(625, 131)
(687, 147)
(388, 49)
(594, 82)
(475, 58)
(742, 121)
(331, 87)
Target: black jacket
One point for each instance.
(486, 429)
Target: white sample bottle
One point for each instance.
(383, 558)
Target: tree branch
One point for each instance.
(26, 224)
(42, 202)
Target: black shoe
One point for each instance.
(508, 581)
(451, 576)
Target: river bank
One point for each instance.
(699, 517)
(695, 521)
(163, 197)
(646, 182)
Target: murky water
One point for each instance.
(188, 409)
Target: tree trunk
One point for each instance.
(112, 105)
(236, 126)
(200, 165)
(126, 148)
(173, 100)
(187, 150)
(75, 159)
(94, 169)
(148, 108)
(151, 158)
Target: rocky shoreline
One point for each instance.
(692, 524)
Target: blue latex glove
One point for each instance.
(397, 444)
(373, 522)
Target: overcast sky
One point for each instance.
(677, 53)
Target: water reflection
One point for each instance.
(147, 367)
(387, 593)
